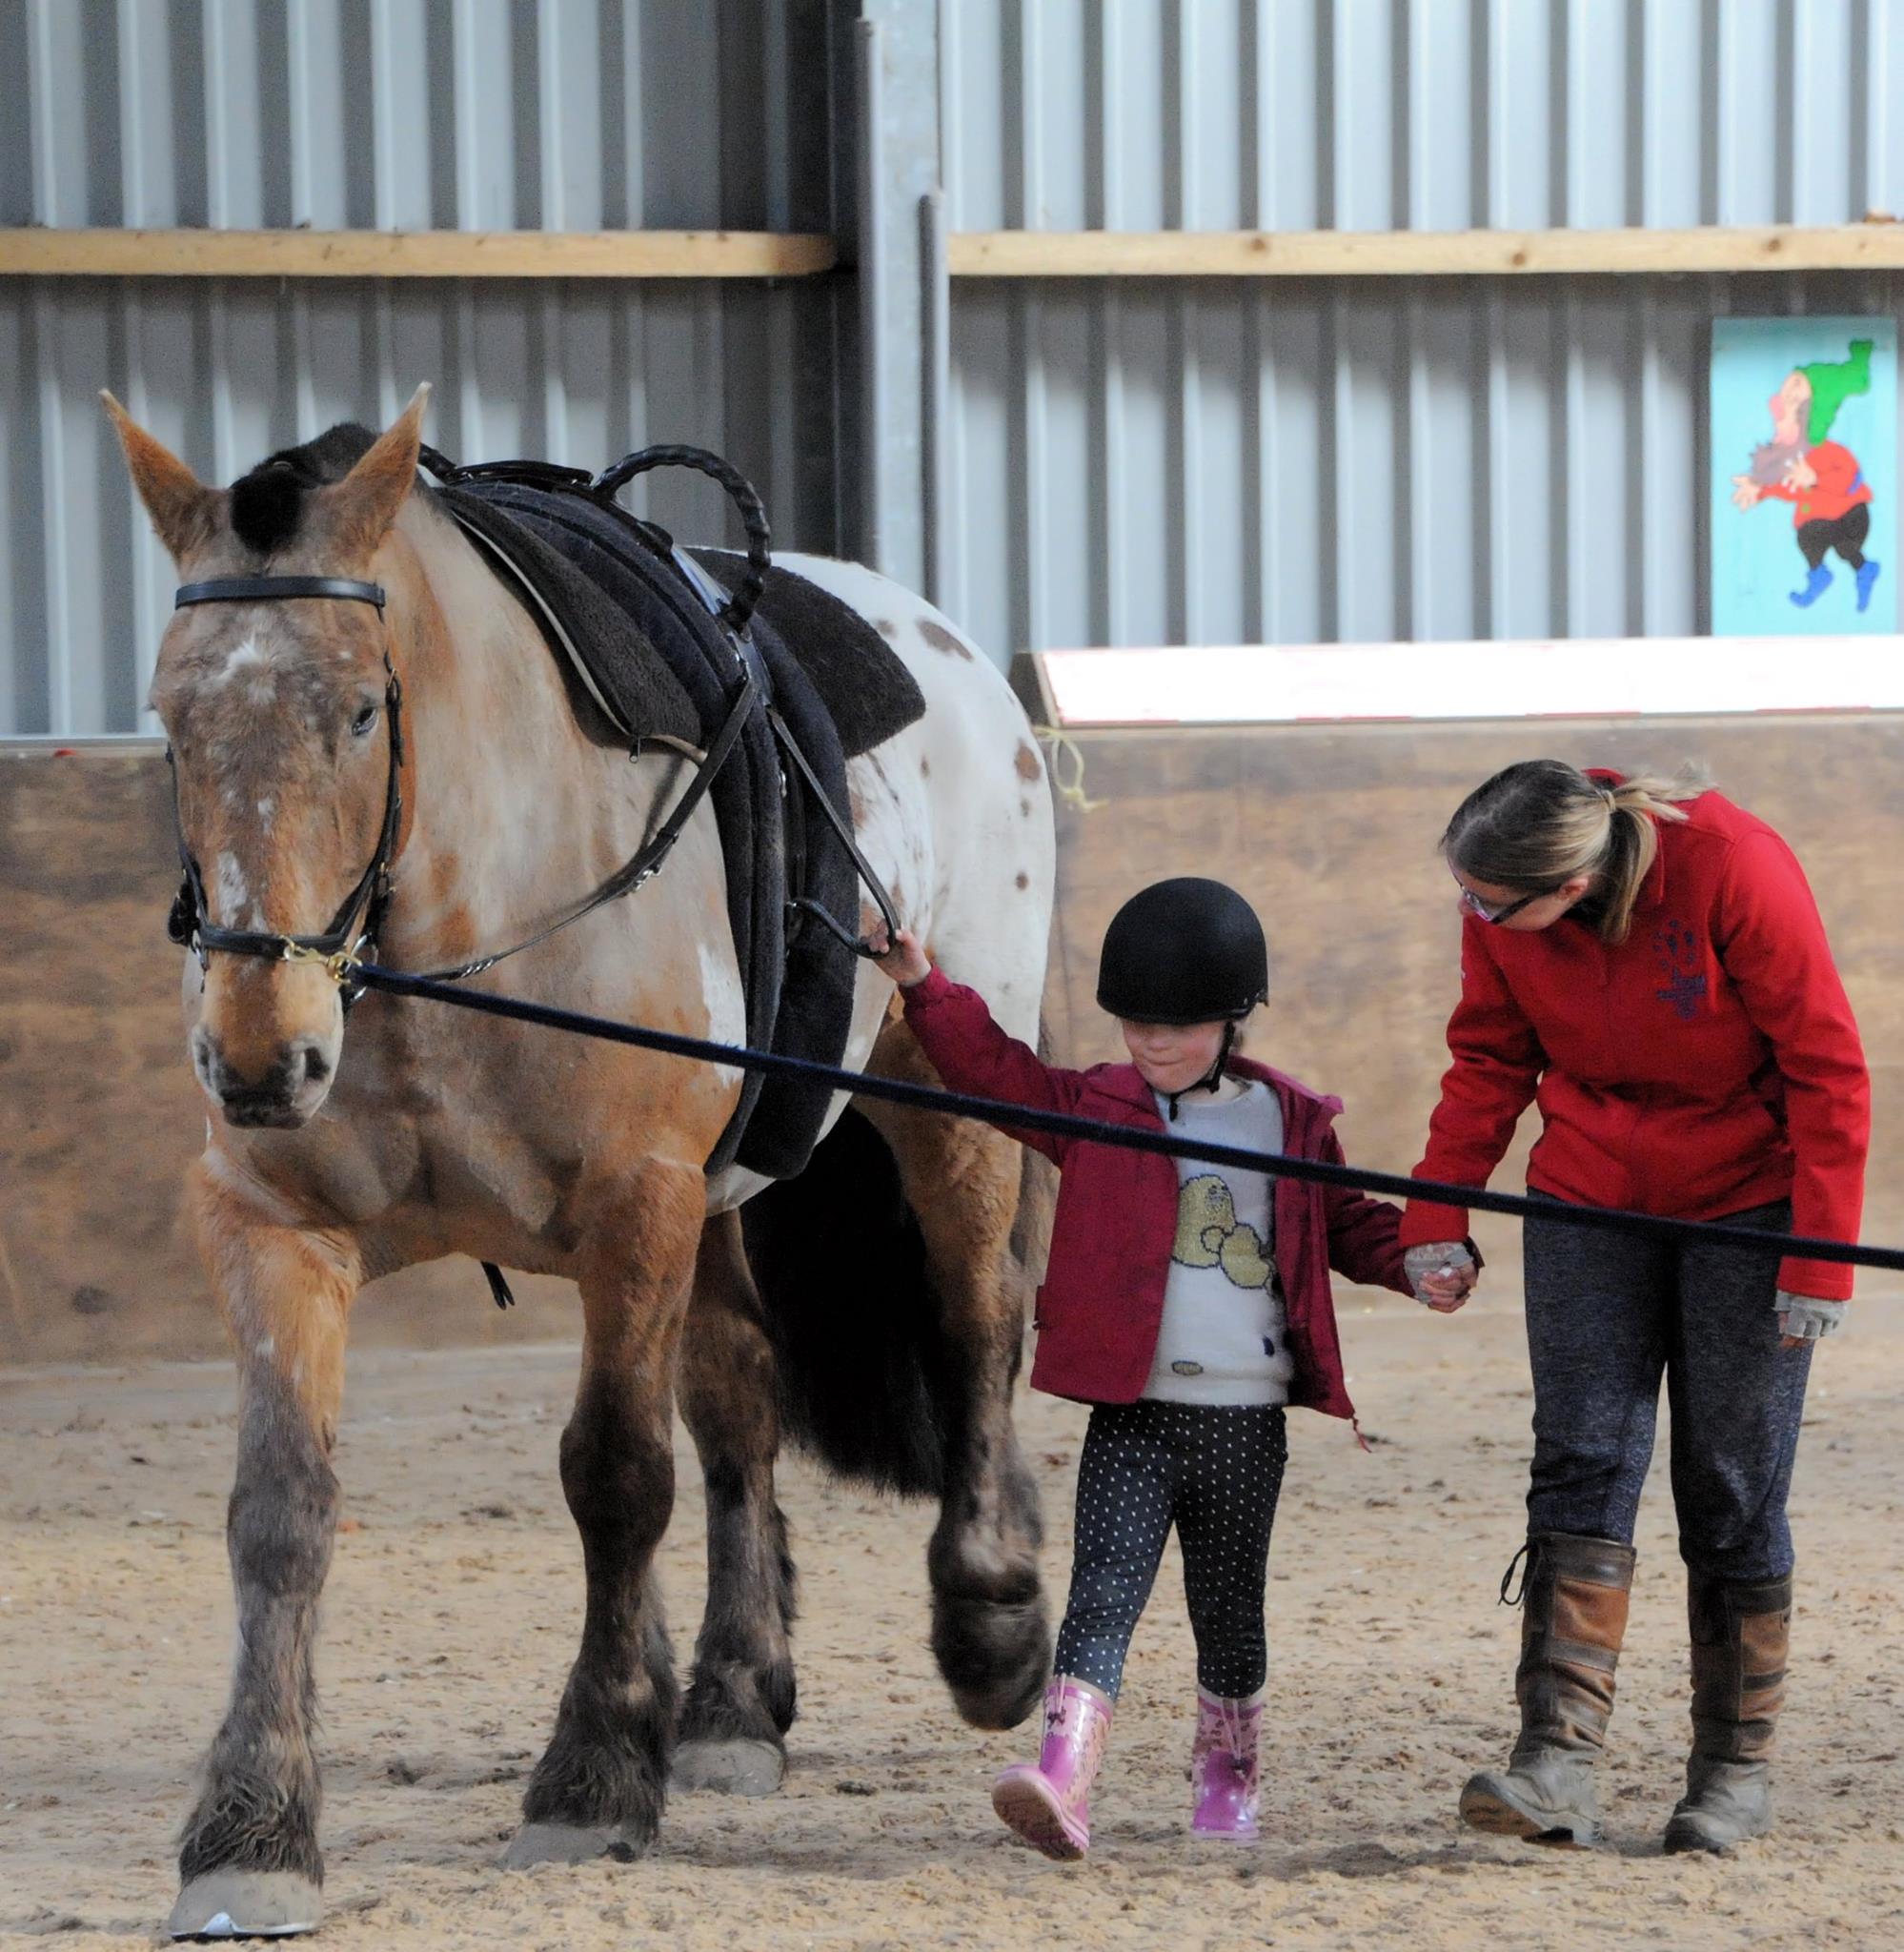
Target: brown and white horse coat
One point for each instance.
(335, 1156)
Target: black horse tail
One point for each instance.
(840, 1261)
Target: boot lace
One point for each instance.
(1522, 1562)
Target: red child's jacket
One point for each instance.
(1102, 1300)
(1706, 1064)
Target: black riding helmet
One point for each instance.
(1183, 951)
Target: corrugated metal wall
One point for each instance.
(1279, 460)
(1136, 462)
(469, 114)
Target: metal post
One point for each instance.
(871, 185)
(896, 65)
(935, 308)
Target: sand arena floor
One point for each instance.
(454, 1603)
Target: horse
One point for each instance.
(337, 1157)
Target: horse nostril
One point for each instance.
(316, 1066)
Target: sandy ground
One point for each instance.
(453, 1608)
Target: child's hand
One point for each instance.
(1443, 1274)
(899, 956)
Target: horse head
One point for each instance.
(279, 710)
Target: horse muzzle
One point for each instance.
(284, 1095)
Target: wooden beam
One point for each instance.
(203, 253)
(1421, 253)
(50, 253)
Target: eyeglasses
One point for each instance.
(1507, 910)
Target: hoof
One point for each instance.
(737, 1767)
(996, 1657)
(246, 1905)
(572, 1843)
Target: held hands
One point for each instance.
(1803, 1318)
(1443, 1274)
(899, 956)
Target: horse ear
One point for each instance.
(185, 513)
(362, 506)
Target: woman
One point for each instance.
(1645, 959)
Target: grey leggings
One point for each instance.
(1215, 1472)
(1607, 1313)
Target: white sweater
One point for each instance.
(1224, 1335)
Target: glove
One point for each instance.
(1433, 1257)
(1806, 1318)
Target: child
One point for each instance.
(1187, 1304)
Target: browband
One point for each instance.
(244, 589)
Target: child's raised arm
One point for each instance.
(966, 1046)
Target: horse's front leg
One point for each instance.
(990, 1631)
(249, 1859)
(600, 1784)
(740, 1701)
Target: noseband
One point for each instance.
(343, 943)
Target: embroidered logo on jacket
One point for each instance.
(1210, 1235)
(1680, 952)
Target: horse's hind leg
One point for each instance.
(740, 1701)
(599, 1786)
(249, 1857)
(990, 1632)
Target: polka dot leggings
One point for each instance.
(1215, 1472)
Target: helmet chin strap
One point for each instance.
(1213, 1077)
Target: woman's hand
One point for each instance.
(1442, 1274)
(899, 956)
(1803, 1318)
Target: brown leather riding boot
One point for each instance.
(1574, 1592)
(1741, 1638)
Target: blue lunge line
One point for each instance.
(1022, 1118)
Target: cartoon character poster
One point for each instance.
(1804, 477)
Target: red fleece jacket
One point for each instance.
(1706, 1064)
(1103, 1299)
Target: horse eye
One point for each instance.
(361, 724)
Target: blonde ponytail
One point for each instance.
(1542, 823)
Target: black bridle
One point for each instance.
(344, 942)
(350, 938)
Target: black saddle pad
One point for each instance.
(655, 659)
(867, 692)
(623, 678)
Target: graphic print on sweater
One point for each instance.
(1210, 1235)
(1222, 1338)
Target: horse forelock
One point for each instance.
(267, 506)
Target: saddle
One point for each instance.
(766, 678)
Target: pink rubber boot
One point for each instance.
(1222, 1767)
(1048, 1802)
